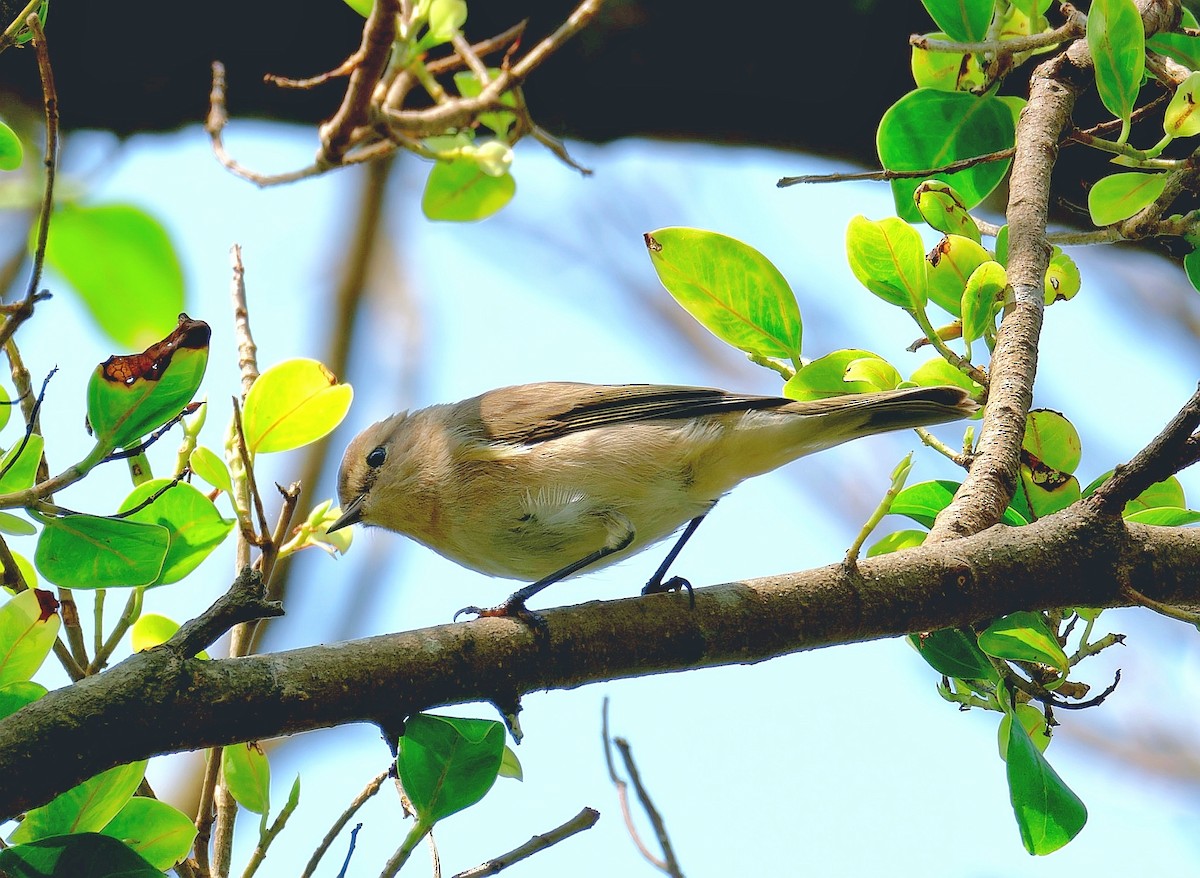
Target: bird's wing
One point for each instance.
(532, 413)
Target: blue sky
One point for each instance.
(842, 761)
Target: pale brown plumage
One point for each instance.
(540, 481)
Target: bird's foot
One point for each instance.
(513, 608)
(675, 583)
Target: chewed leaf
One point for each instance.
(292, 404)
(130, 396)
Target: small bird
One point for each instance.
(541, 481)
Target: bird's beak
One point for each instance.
(352, 514)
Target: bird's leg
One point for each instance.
(515, 605)
(675, 583)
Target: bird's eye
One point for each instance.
(377, 456)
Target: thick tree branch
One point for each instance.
(163, 700)
(1054, 87)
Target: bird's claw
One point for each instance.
(675, 583)
(511, 609)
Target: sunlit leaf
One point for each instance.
(247, 774)
(29, 624)
(11, 151)
(954, 653)
(826, 376)
(87, 551)
(155, 830)
(292, 404)
(461, 191)
(965, 21)
(730, 288)
(192, 521)
(1119, 196)
(84, 808)
(888, 259)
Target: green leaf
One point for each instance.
(20, 471)
(445, 19)
(87, 551)
(447, 764)
(965, 21)
(982, 300)
(14, 696)
(1048, 813)
(130, 396)
(948, 268)
(194, 525)
(1119, 196)
(935, 372)
(1116, 39)
(897, 542)
(11, 151)
(155, 830)
(19, 527)
(942, 208)
(1181, 118)
(461, 191)
(1034, 723)
(362, 7)
(876, 373)
(953, 653)
(1191, 267)
(1053, 440)
(1168, 492)
(510, 765)
(826, 376)
(292, 404)
(730, 288)
(1044, 490)
(888, 259)
(83, 855)
(469, 86)
(1024, 636)
(113, 255)
(928, 128)
(945, 71)
(1062, 281)
(28, 625)
(209, 466)
(248, 776)
(84, 808)
(1183, 48)
(1165, 516)
(922, 502)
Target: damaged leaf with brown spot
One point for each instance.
(130, 396)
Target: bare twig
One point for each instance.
(338, 825)
(667, 863)
(1177, 613)
(585, 819)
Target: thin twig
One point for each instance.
(340, 823)
(9, 37)
(667, 863)
(585, 819)
(1167, 610)
(246, 348)
(49, 159)
(1072, 29)
(205, 814)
